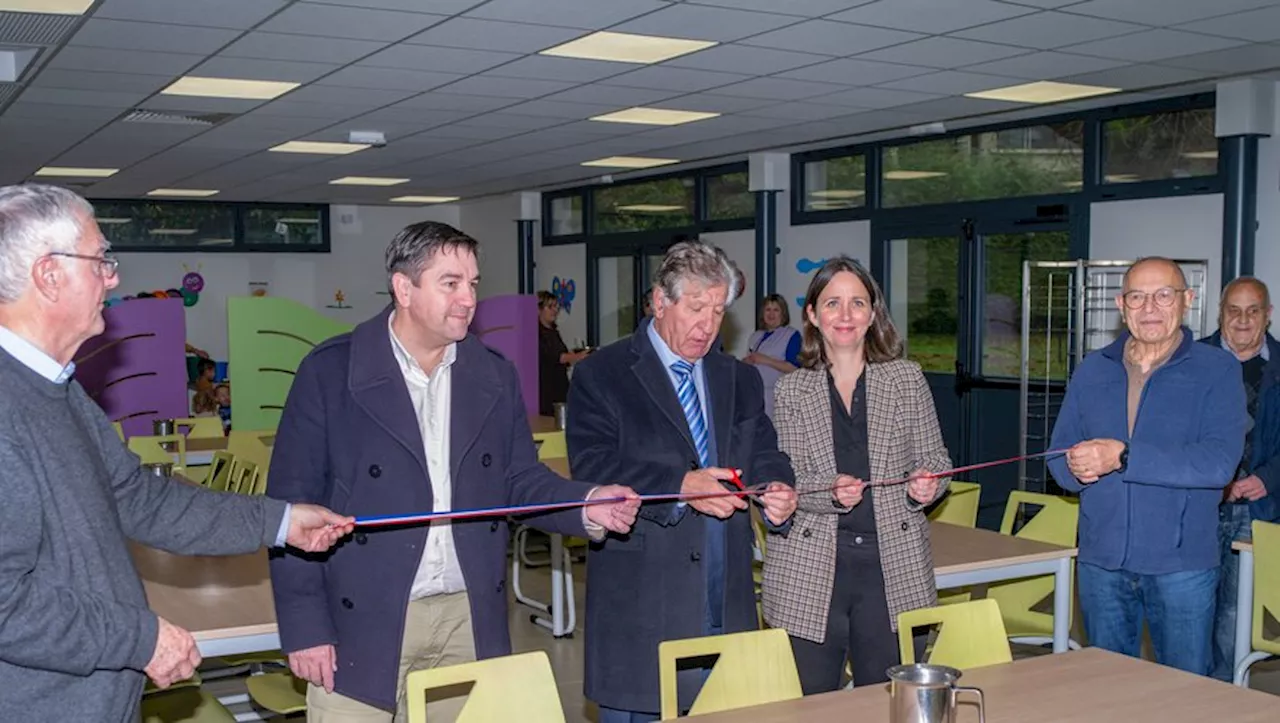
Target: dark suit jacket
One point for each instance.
(349, 439)
(625, 425)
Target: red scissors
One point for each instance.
(738, 481)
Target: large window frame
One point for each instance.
(1092, 189)
(240, 242)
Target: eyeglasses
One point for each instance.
(107, 265)
(1163, 297)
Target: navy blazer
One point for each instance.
(625, 425)
(349, 439)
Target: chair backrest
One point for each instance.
(960, 506)
(970, 634)
(1056, 522)
(552, 445)
(119, 429)
(1266, 582)
(753, 668)
(510, 688)
(151, 451)
(201, 427)
(243, 477)
(219, 475)
(249, 447)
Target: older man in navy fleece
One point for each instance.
(1155, 425)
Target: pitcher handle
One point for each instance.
(982, 707)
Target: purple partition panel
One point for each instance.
(137, 369)
(509, 325)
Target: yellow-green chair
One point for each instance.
(970, 634)
(150, 451)
(243, 478)
(201, 427)
(182, 702)
(1056, 523)
(219, 474)
(551, 445)
(960, 506)
(119, 429)
(281, 693)
(511, 688)
(1266, 597)
(753, 668)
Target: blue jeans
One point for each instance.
(1233, 524)
(1178, 608)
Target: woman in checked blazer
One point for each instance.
(855, 556)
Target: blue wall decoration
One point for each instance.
(564, 291)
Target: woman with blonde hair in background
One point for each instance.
(774, 347)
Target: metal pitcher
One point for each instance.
(923, 693)
(561, 414)
(163, 427)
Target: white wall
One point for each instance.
(740, 320)
(805, 247)
(359, 237)
(1182, 227)
(1267, 254)
(565, 262)
(492, 222)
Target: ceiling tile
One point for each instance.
(438, 7)
(512, 121)
(437, 60)
(237, 14)
(240, 139)
(396, 131)
(357, 76)
(949, 82)
(91, 115)
(702, 22)
(548, 108)
(801, 111)
(260, 122)
(854, 71)
(732, 58)
(280, 46)
(876, 98)
(186, 104)
(709, 103)
(87, 80)
(249, 69)
(588, 14)
(333, 111)
(549, 68)
(472, 132)
(1249, 58)
(368, 97)
(126, 35)
(957, 107)
(943, 53)
(617, 95)
(1153, 45)
(423, 118)
(779, 88)
(1044, 31)
(504, 87)
(1257, 25)
(1137, 77)
(1044, 66)
(802, 8)
(476, 34)
(468, 104)
(595, 129)
(334, 21)
(930, 16)
(660, 77)
(123, 61)
(102, 99)
(831, 38)
(1170, 12)
(1044, 4)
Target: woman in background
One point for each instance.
(774, 347)
(856, 411)
(554, 358)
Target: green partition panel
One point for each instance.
(268, 338)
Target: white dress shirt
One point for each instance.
(432, 396)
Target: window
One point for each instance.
(835, 183)
(1027, 161)
(1161, 146)
(566, 215)
(283, 226)
(129, 225)
(644, 206)
(1002, 317)
(728, 197)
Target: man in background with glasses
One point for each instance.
(1244, 316)
(1154, 426)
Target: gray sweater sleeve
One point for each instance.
(90, 632)
(181, 518)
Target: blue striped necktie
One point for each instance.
(688, 394)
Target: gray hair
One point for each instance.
(412, 248)
(35, 220)
(696, 261)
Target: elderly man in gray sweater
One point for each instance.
(76, 635)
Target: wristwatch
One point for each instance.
(1124, 458)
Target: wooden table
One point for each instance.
(542, 425)
(1081, 686)
(200, 449)
(1244, 608)
(967, 556)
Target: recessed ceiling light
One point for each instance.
(1121, 177)
(48, 7)
(229, 88)
(654, 116)
(367, 181)
(1201, 155)
(833, 193)
(1042, 91)
(112, 221)
(649, 208)
(172, 231)
(911, 175)
(424, 199)
(70, 172)
(183, 192)
(627, 48)
(319, 147)
(629, 162)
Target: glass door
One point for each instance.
(618, 276)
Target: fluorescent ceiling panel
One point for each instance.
(654, 116)
(1042, 91)
(911, 175)
(649, 208)
(627, 47)
(629, 162)
(49, 7)
(319, 147)
(69, 172)
(183, 192)
(367, 181)
(424, 199)
(192, 85)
